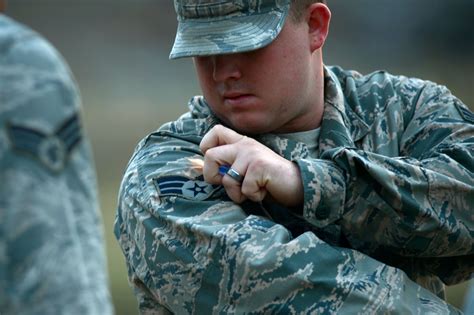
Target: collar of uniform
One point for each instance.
(199, 108)
(334, 96)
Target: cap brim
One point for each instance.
(226, 36)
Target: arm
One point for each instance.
(415, 204)
(202, 253)
(409, 181)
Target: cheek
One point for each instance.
(202, 77)
(204, 73)
(284, 71)
(286, 81)
(208, 88)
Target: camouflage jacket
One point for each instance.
(51, 244)
(387, 216)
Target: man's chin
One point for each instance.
(250, 129)
(248, 123)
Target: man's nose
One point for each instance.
(226, 67)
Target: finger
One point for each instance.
(280, 179)
(217, 166)
(233, 184)
(233, 189)
(229, 171)
(218, 136)
(254, 186)
(216, 157)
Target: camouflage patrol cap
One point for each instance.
(210, 27)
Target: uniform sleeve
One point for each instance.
(147, 304)
(52, 259)
(416, 204)
(195, 251)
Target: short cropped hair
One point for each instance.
(298, 7)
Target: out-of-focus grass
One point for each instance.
(124, 301)
(123, 298)
(455, 294)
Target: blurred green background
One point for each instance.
(118, 51)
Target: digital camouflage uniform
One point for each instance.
(51, 244)
(387, 214)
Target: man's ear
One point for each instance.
(318, 17)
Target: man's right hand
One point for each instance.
(265, 172)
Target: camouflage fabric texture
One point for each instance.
(387, 218)
(52, 258)
(209, 27)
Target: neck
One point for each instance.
(317, 93)
(319, 86)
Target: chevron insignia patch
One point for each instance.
(196, 189)
(52, 150)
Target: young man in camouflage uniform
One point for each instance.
(294, 187)
(52, 258)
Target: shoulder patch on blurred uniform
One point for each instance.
(196, 189)
(465, 112)
(52, 150)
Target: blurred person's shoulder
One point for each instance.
(23, 48)
(40, 103)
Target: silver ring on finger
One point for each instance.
(235, 175)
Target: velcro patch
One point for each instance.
(195, 189)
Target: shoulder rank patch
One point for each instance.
(196, 189)
(52, 150)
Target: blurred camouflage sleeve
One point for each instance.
(52, 256)
(396, 175)
(189, 249)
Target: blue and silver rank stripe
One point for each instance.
(189, 188)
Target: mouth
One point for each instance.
(237, 98)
